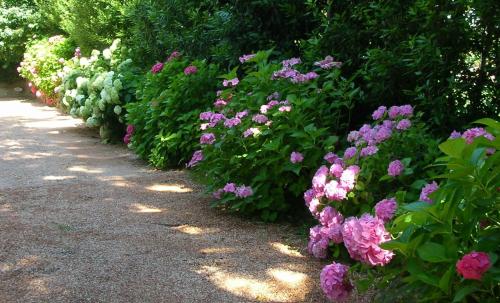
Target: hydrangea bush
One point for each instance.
(96, 88)
(170, 99)
(417, 249)
(266, 131)
(42, 62)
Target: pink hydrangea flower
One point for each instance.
(382, 133)
(334, 191)
(328, 63)
(230, 188)
(455, 135)
(353, 136)
(127, 139)
(157, 68)
(313, 207)
(318, 244)
(250, 132)
(385, 209)
(197, 157)
(319, 179)
(78, 53)
(242, 114)
(368, 151)
(330, 157)
(231, 82)
(173, 55)
(388, 124)
(219, 103)
(205, 116)
(350, 152)
(362, 237)
(286, 108)
(272, 103)
(245, 58)
(259, 118)
(393, 112)
(470, 134)
(395, 168)
(272, 96)
(207, 138)
(348, 177)
(243, 191)
(216, 118)
(296, 157)
(403, 124)
(291, 62)
(190, 70)
(336, 170)
(308, 196)
(218, 193)
(230, 123)
(427, 190)
(335, 282)
(331, 221)
(473, 265)
(379, 113)
(406, 110)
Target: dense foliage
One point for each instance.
(97, 89)
(43, 62)
(441, 55)
(392, 211)
(258, 122)
(170, 99)
(17, 25)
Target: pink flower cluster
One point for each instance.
(157, 68)
(245, 58)
(296, 157)
(330, 229)
(129, 133)
(207, 138)
(395, 168)
(328, 63)
(78, 53)
(385, 209)
(427, 190)
(287, 72)
(190, 70)
(335, 282)
(173, 55)
(239, 191)
(472, 133)
(362, 238)
(197, 157)
(473, 265)
(365, 139)
(231, 82)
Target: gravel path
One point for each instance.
(85, 222)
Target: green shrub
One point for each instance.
(431, 238)
(43, 63)
(97, 89)
(18, 24)
(166, 114)
(441, 57)
(301, 117)
(217, 30)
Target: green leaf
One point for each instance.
(444, 282)
(462, 293)
(432, 252)
(489, 122)
(417, 206)
(453, 147)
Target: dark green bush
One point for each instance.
(440, 55)
(166, 114)
(220, 31)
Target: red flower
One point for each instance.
(473, 265)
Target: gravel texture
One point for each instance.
(81, 221)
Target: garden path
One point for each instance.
(81, 221)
